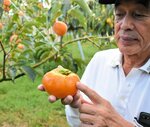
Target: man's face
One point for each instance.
(132, 28)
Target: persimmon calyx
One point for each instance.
(63, 71)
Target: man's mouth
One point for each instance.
(128, 38)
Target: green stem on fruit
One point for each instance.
(63, 71)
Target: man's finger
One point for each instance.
(86, 124)
(87, 109)
(93, 96)
(67, 100)
(52, 98)
(41, 87)
(87, 118)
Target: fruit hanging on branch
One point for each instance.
(20, 46)
(6, 8)
(7, 2)
(60, 82)
(1, 26)
(13, 38)
(40, 5)
(6, 5)
(60, 28)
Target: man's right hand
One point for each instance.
(73, 101)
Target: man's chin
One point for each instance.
(127, 51)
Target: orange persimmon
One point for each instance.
(60, 28)
(60, 82)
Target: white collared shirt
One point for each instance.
(129, 94)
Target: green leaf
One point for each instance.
(66, 7)
(15, 17)
(30, 72)
(1, 12)
(83, 4)
(41, 19)
(11, 27)
(29, 24)
(54, 12)
(74, 12)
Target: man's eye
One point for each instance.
(118, 14)
(136, 15)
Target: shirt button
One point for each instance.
(129, 85)
(122, 98)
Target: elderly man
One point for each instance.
(115, 87)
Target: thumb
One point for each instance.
(93, 96)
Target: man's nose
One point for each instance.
(127, 23)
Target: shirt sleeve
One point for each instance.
(72, 116)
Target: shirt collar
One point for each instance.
(117, 61)
(146, 66)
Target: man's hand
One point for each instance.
(73, 101)
(51, 98)
(100, 112)
(97, 113)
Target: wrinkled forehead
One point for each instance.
(145, 3)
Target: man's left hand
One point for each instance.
(99, 113)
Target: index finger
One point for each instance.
(93, 96)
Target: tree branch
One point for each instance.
(52, 55)
(85, 38)
(9, 79)
(4, 61)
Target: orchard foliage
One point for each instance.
(28, 44)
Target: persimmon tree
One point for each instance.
(29, 46)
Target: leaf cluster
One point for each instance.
(42, 49)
